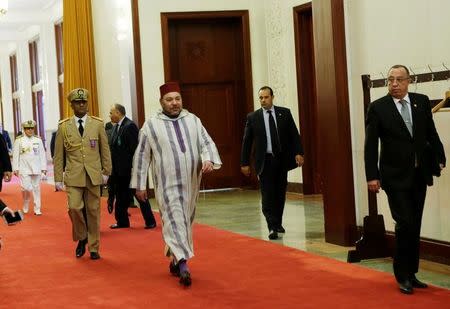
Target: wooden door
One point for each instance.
(307, 98)
(206, 56)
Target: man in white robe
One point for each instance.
(29, 163)
(179, 150)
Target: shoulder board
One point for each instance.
(97, 118)
(37, 136)
(62, 121)
(19, 137)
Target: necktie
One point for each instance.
(80, 127)
(406, 116)
(273, 134)
(115, 132)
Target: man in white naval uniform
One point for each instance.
(29, 163)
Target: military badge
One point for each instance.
(93, 142)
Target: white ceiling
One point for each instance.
(23, 14)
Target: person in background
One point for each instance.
(7, 139)
(109, 127)
(29, 163)
(5, 162)
(179, 150)
(278, 149)
(411, 152)
(82, 154)
(5, 170)
(124, 140)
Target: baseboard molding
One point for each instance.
(430, 249)
(295, 187)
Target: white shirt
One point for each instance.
(266, 124)
(82, 118)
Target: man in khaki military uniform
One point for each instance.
(83, 158)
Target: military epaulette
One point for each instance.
(97, 118)
(37, 136)
(19, 137)
(62, 121)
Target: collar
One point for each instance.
(120, 121)
(82, 118)
(405, 98)
(269, 109)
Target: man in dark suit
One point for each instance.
(6, 137)
(5, 162)
(5, 170)
(109, 128)
(272, 131)
(8, 145)
(410, 146)
(124, 140)
(52, 144)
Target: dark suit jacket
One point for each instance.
(52, 144)
(5, 162)
(398, 149)
(123, 147)
(255, 135)
(7, 139)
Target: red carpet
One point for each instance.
(39, 270)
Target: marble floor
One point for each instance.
(239, 211)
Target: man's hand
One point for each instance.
(374, 185)
(441, 165)
(207, 167)
(300, 160)
(16, 172)
(59, 186)
(245, 170)
(7, 176)
(105, 179)
(141, 195)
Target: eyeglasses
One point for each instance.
(398, 79)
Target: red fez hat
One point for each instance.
(169, 87)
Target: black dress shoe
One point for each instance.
(116, 226)
(150, 226)
(406, 287)
(95, 256)
(185, 278)
(281, 230)
(81, 248)
(174, 269)
(416, 283)
(273, 235)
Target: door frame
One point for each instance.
(306, 88)
(243, 15)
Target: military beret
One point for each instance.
(29, 124)
(78, 94)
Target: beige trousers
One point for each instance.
(84, 212)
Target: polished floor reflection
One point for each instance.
(239, 211)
